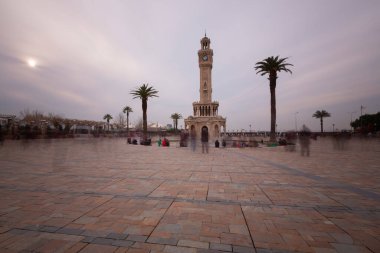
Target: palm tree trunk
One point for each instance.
(145, 123)
(272, 86)
(321, 124)
(127, 123)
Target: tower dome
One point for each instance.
(205, 42)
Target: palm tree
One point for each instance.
(271, 66)
(127, 110)
(320, 115)
(176, 116)
(108, 117)
(144, 92)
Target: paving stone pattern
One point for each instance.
(103, 195)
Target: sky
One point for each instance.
(89, 55)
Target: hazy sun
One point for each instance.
(32, 63)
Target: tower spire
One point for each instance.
(205, 33)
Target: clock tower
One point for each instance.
(205, 57)
(205, 111)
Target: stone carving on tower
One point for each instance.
(205, 111)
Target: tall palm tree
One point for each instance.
(127, 110)
(271, 66)
(320, 115)
(144, 92)
(108, 117)
(175, 117)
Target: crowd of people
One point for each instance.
(289, 140)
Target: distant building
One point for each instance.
(205, 112)
(6, 119)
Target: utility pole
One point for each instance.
(351, 119)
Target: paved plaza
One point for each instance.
(103, 195)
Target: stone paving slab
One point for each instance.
(201, 224)
(102, 195)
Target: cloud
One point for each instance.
(92, 54)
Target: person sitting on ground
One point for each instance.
(159, 142)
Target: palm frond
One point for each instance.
(272, 63)
(144, 92)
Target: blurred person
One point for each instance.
(204, 139)
(159, 142)
(340, 140)
(290, 138)
(167, 142)
(1, 136)
(193, 139)
(304, 138)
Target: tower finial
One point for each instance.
(205, 33)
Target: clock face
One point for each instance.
(205, 57)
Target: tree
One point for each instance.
(367, 123)
(144, 92)
(139, 124)
(56, 120)
(271, 66)
(32, 117)
(320, 115)
(127, 110)
(176, 116)
(108, 117)
(120, 121)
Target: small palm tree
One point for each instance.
(320, 115)
(127, 110)
(108, 117)
(176, 116)
(144, 92)
(271, 66)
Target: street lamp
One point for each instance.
(295, 120)
(333, 128)
(351, 119)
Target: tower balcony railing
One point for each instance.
(199, 103)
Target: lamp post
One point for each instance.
(351, 119)
(295, 120)
(333, 128)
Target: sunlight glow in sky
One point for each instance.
(32, 62)
(95, 52)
